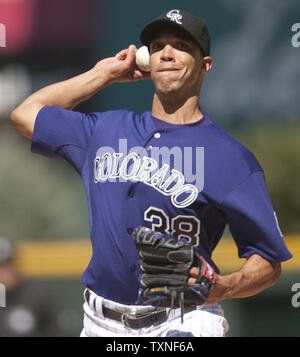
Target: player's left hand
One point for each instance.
(213, 296)
(165, 262)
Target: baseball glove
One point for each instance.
(165, 262)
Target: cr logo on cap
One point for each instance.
(175, 15)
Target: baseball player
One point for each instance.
(171, 171)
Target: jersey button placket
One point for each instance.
(133, 268)
(152, 141)
(130, 195)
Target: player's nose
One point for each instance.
(167, 54)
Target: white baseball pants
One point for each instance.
(203, 322)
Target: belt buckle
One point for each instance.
(123, 319)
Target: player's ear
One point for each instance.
(207, 64)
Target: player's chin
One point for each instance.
(168, 86)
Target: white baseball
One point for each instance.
(142, 59)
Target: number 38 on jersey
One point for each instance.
(181, 226)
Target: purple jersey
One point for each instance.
(189, 180)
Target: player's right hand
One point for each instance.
(122, 67)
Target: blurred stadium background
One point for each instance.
(252, 92)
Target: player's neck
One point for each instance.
(172, 110)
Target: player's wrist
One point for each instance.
(101, 75)
(217, 293)
(224, 287)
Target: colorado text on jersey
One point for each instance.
(137, 166)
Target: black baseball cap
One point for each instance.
(191, 25)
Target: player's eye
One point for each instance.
(156, 46)
(182, 45)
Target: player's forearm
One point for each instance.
(71, 92)
(256, 275)
(66, 94)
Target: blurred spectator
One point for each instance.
(29, 312)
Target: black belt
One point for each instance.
(136, 321)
